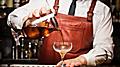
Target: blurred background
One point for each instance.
(7, 41)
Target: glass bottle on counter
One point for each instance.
(35, 48)
(16, 46)
(13, 52)
(3, 6)
(27, 49)
(22, 49)
(30, 50)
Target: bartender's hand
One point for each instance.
(73, 62)
(37, 13)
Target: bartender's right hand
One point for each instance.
(37, 13)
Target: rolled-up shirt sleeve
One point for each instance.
(17, 17)
(102, 51)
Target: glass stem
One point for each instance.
(62, 65)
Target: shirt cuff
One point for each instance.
(17, 22)
(90, 59)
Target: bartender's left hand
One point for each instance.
(73, 62)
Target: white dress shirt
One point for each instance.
(102, 51)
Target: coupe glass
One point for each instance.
(62, 48)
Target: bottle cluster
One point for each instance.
(26, 50)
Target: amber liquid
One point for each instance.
(62, 47)
(38, 32)
(61, 35)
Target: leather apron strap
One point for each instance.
(91, 9)
(89, 13)
(56, 6)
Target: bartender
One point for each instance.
(88, 27)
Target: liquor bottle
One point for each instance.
(13, 52)
(10, 3)
(22, 49)
(35, 47)
(16, 3)
(3, 6)
(40, 29)
(118, 5)
(30, 50)
(26, 54)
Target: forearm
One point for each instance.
(15, 22)
(16, 18)
(102, 51)
(99, 55)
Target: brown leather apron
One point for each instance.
(78, 30)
